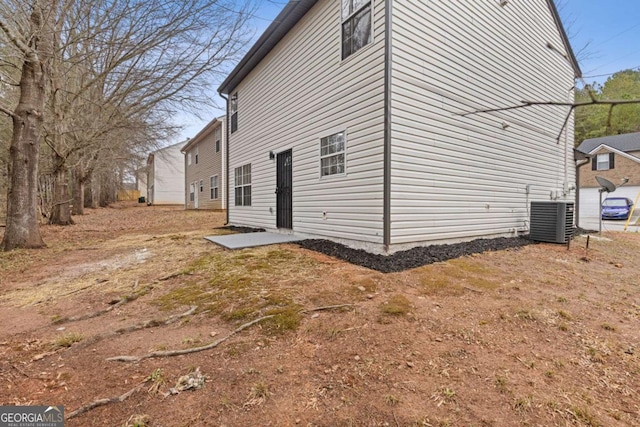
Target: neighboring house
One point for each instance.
(615, 158)
(346, 121)
(165, 176)
(204, 163)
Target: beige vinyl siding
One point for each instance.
(458, 177)
(301, 92)
(209, 164)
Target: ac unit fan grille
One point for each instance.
(551, 221)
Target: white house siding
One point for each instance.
(303, 91)
(454, 177)
(210, 163)
(166, 177)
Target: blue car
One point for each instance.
(616, 208)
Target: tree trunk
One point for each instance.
(61, 209)
(23, 229)
(95, 191)
(78, 192)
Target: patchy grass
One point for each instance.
(243, 285)
(67, 340)
(481, 343)
(563, 314)
(391, 399)
(585, 417)
(608, 327)
(138, 420)
(258, 394)
(525, 314)
(397, 305)
(501, 384)
(157, 379)
(457, 276)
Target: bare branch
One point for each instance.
(9, 113)
(24, 48)
(572, 105)
(609, 115)
(564, 124)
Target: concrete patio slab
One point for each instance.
(250, 240)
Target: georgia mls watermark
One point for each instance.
(31, 416)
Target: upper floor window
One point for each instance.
(356, 25)
(243, 185)
(196, 155)
(189, 158)
(218, 138)
(603, 162)
(332, 155)
(233, 111)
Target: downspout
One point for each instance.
(186, 186)
(226, 156)
(386, 192)
(581, 160)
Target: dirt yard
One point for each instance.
(534, 336)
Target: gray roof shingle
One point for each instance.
(626, 142)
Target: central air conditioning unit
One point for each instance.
(551, 222)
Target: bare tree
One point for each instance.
(34, 41)
(96, 70)
(133, 66)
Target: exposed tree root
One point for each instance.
(173, 275)
(158, 354)
(327, 307)
(124, 300)
(188, 350)
(153, 323)
(102, 402)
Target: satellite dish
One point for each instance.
(606, 185)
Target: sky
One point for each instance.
(604, 34)
(265, 13)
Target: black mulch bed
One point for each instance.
(411, 258)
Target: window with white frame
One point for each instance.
(214, 187)
(192, 192)
(332, 160)
(196, 155)
(233, 112)
(189, 158)
(218, 138)
(603, 162)
(356, 25)
(201, 186)
(243, 185)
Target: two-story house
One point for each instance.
(348, 121)
(615, 158)
(205, 168)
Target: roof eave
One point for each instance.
(286, 19)
(593, 152)
(200, 135)
(563, 35)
